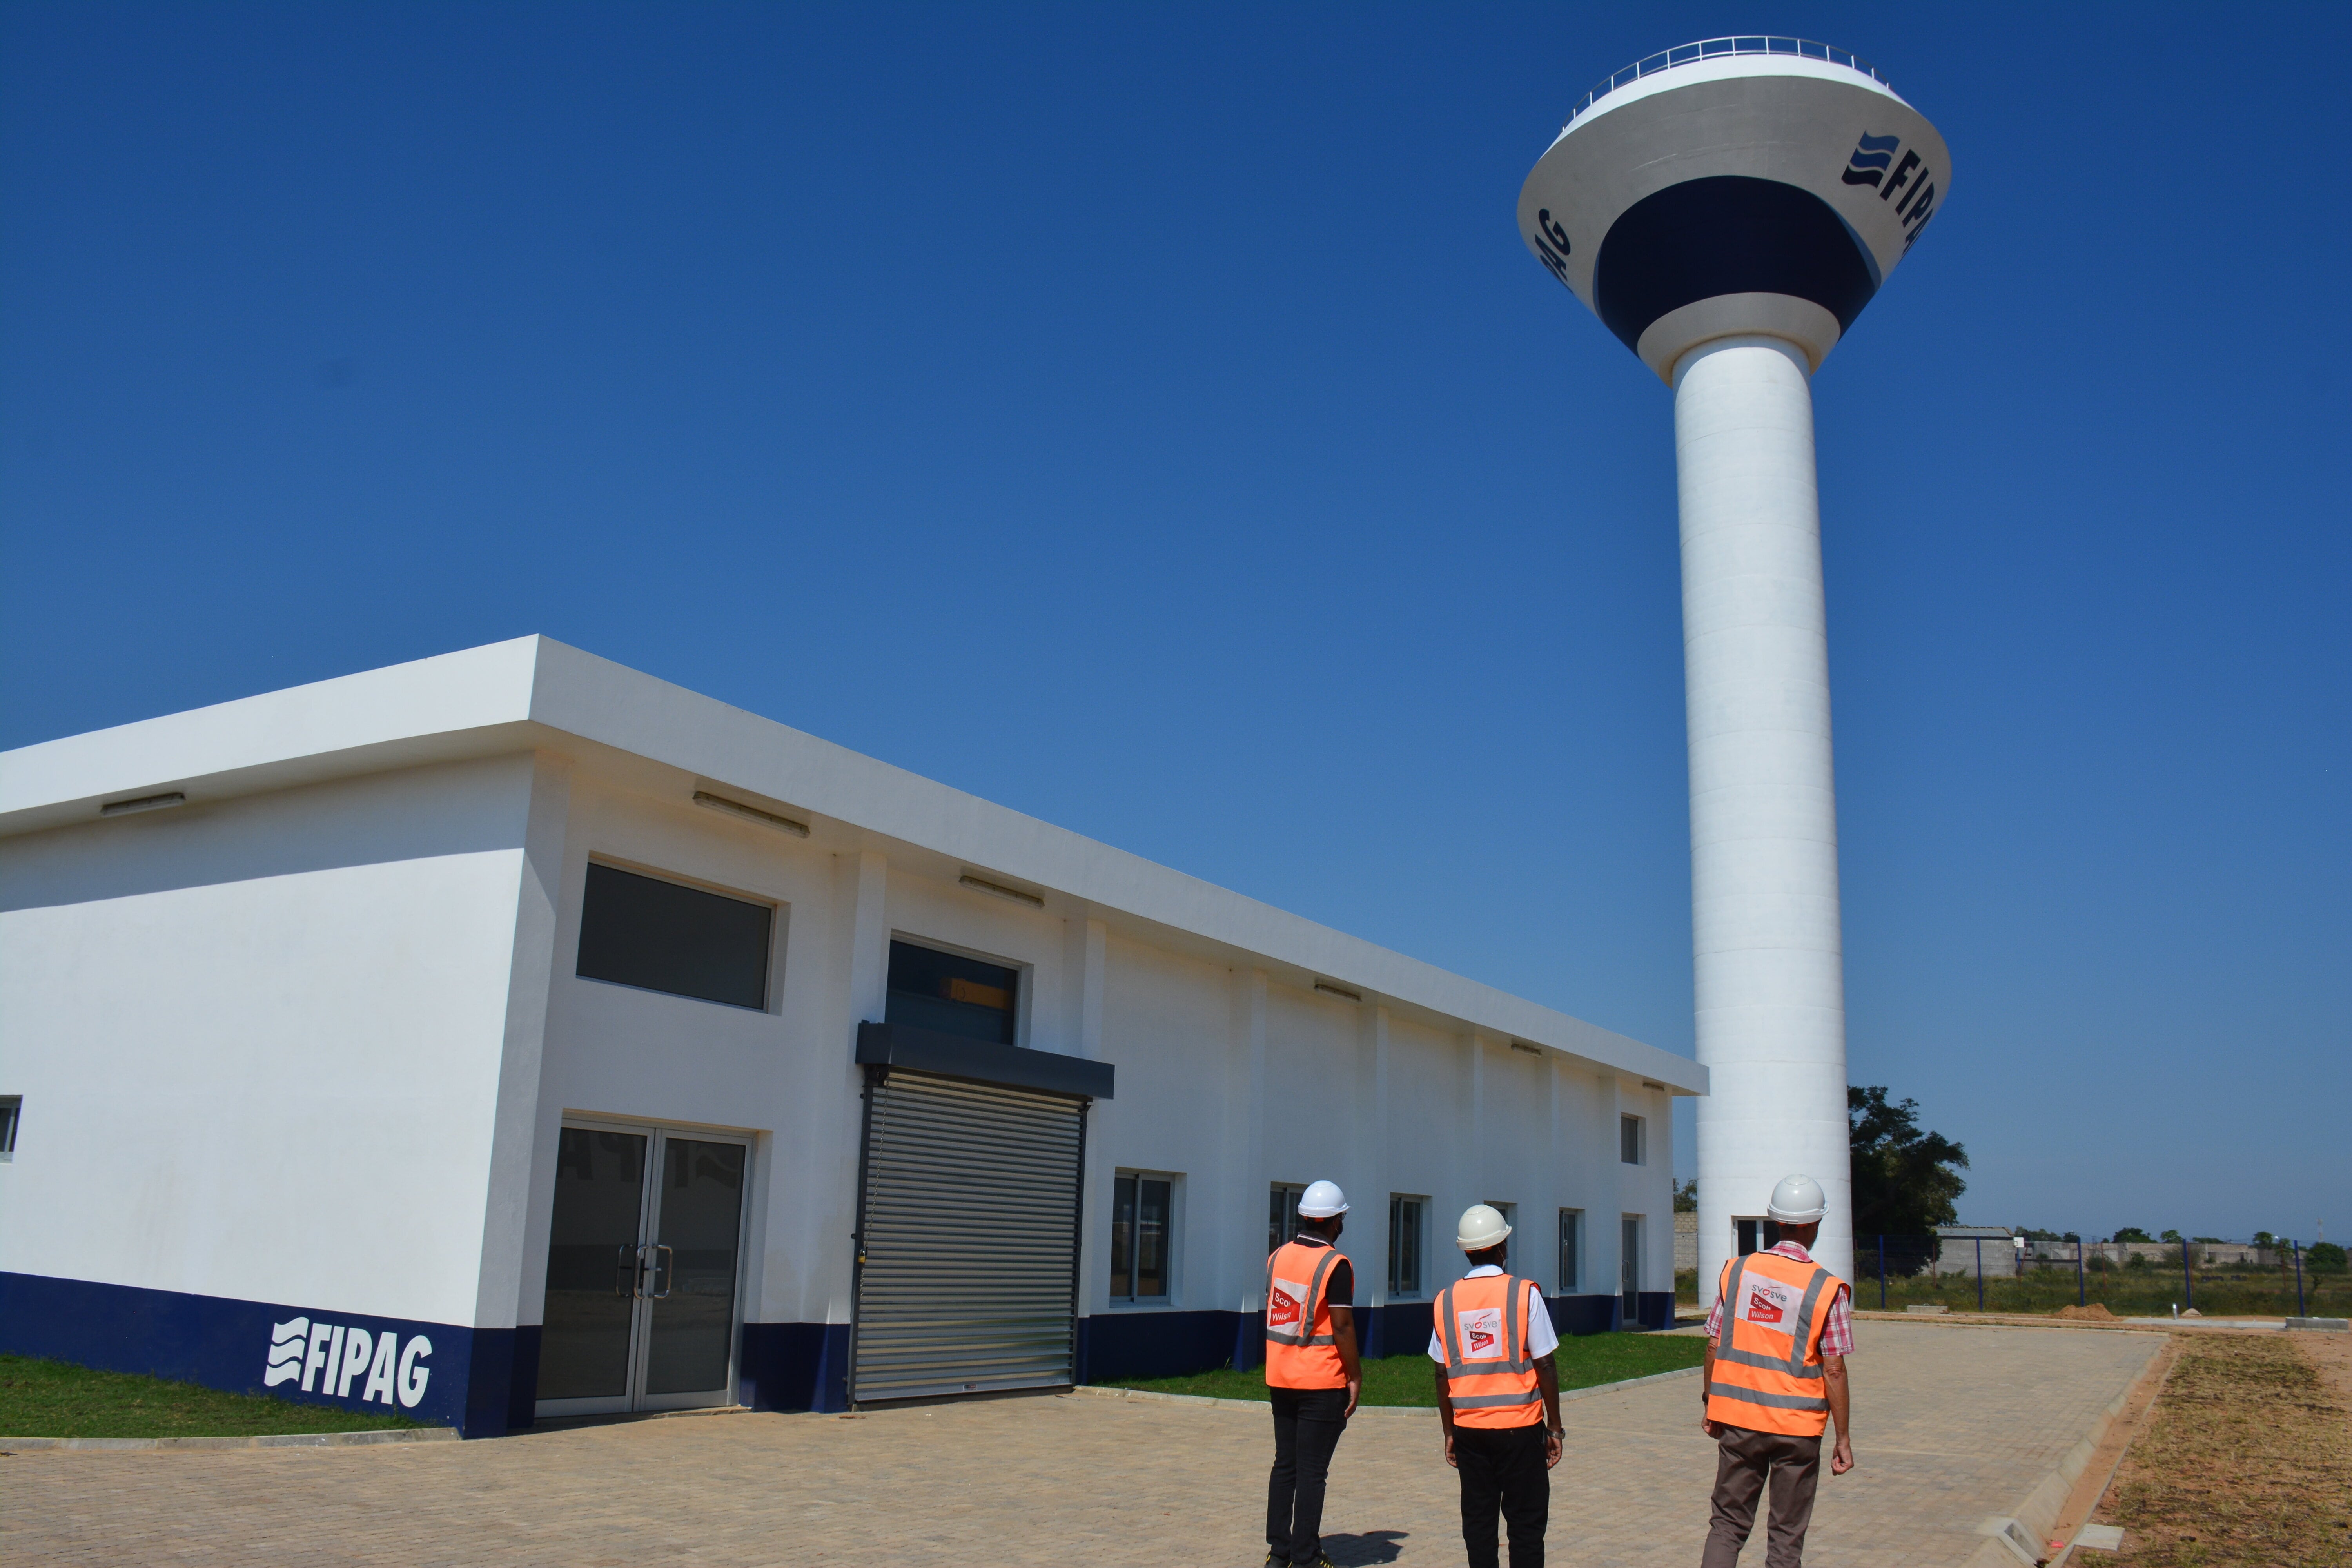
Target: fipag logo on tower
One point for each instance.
(1873, 162)
(304, 1348)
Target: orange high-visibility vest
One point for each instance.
(1490, 1378)
(1301, 1350)
(1767, 1360)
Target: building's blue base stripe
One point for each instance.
(795, 1366)
(223, 1343)
(484, 1382)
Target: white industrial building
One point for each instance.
(510, 1034)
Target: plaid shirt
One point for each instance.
(1837, 1329)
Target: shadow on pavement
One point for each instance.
(1372, 1546)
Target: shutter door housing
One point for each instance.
(969, 1239)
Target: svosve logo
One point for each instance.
(305, 1348)
(1873, 162)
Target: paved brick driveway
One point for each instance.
(1954, 1424)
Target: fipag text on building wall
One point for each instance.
(330, 1358)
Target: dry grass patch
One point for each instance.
(2247, 1464)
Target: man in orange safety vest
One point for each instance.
(1312, 1375)
(1497, 1393)
(1773, 1380)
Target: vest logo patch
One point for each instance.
(1284, 1306)
(1767, 1302)
(1482, 1332)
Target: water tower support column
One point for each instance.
(1766, 943)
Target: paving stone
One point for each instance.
(1952, 1424)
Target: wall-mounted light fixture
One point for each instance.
(142, 802)
(1328, 989)
(983, 885)
(737, 808)
(1523, 1046)
(1648, 1084)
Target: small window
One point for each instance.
(663, 936)
(1571, 1222)
(951, 993)
(1282, 1215)
(1404, 1245)
(1141, 1220)
(1629, 1139)
(12, 1105)
(1510, 1213)
(1628, 1255)
(1755, 1235)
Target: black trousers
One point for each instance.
(1503, 1473)
(1307, 1427)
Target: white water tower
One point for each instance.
(1727, 209)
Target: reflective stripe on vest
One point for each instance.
(1767, 1377)
(1488, 1390)
(1301, 1349)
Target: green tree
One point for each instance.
(1686, 1197)
(2133, 1233)
(2265, 1239)
(2169, 1235)
(2324, 1258)
(1906, 1178)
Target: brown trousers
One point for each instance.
(1744, 1460)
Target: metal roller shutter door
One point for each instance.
(967, 1238)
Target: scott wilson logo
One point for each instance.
(1481, 1328)
(1873, 162)
(332, 1356)
(1766, 1303)
(1282, 1304)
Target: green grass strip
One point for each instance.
(57, 1399)
(1584, 1362)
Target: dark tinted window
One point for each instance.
(1138, 1238)
(643, 932)
(934, 990)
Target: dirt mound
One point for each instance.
(2095, 1311)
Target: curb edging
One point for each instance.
(370, 1439)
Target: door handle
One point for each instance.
(625, 1263)
(661, 1291)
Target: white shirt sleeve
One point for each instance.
(1543, 1340)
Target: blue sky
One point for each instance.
(1151, 421)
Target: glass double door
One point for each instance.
(643, 1261)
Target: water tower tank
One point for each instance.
(1727, 209)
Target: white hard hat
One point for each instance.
(1482, 1227)
(1798, 1200)
(1321, 1200)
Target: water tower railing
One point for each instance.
(1717, 49)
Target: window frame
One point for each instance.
(1570, 1255)
(11, 1118)
(1629, 1259)
(1634, 1130)
(1023, 974)
(1419, 1290)
(1282, 1212)
(1175, 1183)
(779, 913)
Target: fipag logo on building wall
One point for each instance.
(329, 1358)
